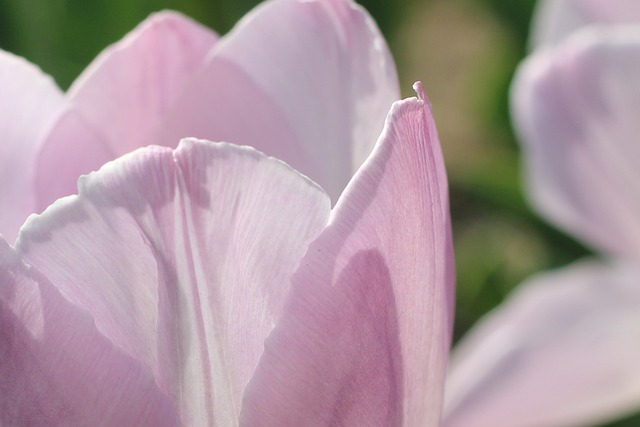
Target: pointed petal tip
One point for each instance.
(423, 99)
(418, 88)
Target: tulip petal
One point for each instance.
(116, 105)
(364, 339)
(74, 147)
(309, 82)
(563, 351)
(576, 109)
(183, 259)
(555, 19)
(56, 369)
(28, 100)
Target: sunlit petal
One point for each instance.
(183, 259)
(365, 337)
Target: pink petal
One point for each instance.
(576, 109)
(364, 339)
(56, 369)
(28, 101)
(563, 351)
(556, 19)
(73, 148)
(183, 259)
(120, 100)
(309, 82)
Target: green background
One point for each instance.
(465, 51)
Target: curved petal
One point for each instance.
(309, 82)
(121, 99)
(183, 259)
(576, 109)
(364, 339)
(56, 369)
(554, 20)
(28, 102)
(563, 351)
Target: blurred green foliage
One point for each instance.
(499, 240)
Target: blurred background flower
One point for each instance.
(465, 52)
(561, 351)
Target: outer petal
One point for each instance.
(576, 109)
(563, 351)
(116, 105)
(183, 259)
(28, 101)
(365, 338)
(556, 19)
(56, 369)
(309, 82)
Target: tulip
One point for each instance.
(211, 284)
(309, 82)
(563, 350)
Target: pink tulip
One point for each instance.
(211, 285)
(309, 82)
(564, 350)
